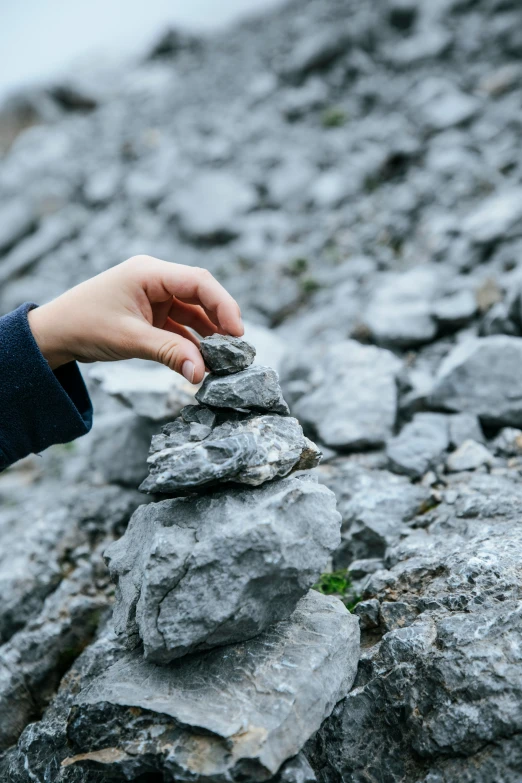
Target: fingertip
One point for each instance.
(232, 323)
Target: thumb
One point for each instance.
(172, 350)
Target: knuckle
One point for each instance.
(136, 262)
(169, 355)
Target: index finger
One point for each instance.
(193, 285)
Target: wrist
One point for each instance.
(47, 336)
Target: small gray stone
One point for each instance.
(256, 388)
(420, 445)
(464, 426)
(225, 355)
(450, 108)
(496, 217)
(196, 573)
(360, 568)
(368, 613)
(508, 442)
(296, 770)
(396, 614)
(483, 376)
(401, 323)
(455, 310)
(247, 707)
(252, 450)
(316, 51)
(469, 456)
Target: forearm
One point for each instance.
(38, 407)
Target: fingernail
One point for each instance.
(188, 371)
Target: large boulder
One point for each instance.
(346, 393)
(216, 715)
(483, 376)
(195, 573)
(191, 453)
(438, 697)
(375, 507)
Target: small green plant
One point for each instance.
(334, 117)
(297, 267)
(309, 285)
(333, 583)
(338, 583)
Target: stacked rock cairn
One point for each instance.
(221, 632)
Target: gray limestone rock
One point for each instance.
(483, 376)
(216, 715)
(464, 426)
(38, 536)
(256, 388)
(368, 613)
(225, 355)
(191, 455)
(34, 659)
(508, 442)
(448, 108)
(401, 324)
(196, 573)
(396, 614)
(441, 694)
(420, 445)
(496, 217)
(16, 220)
(54, 230)
(469, 456)
(350, 394)
(119, 445)
(455, 310)
(375, 506)
(400, 311)
(316, 52)
(209, 208)
(296, 770)
(152, 391)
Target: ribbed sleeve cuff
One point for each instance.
(38, 407)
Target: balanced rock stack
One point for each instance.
(226, 661)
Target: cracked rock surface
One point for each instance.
(256, 388)
(351, 173)
(209, 716)
(195, 573)
(189, 455)
(224, 355)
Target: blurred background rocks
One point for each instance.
(352, 173)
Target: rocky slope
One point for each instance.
(352, 172)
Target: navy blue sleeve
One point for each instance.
(38, 407)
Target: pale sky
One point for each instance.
(39, 39)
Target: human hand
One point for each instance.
(138, 309)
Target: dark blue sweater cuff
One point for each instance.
(38, 407)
